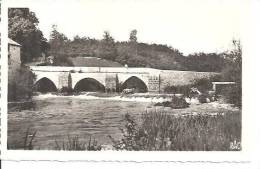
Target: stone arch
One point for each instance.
(89, 84)
(134, 82)
(45, 85)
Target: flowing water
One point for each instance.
(57, 117)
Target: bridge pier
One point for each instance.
(154, 84)
(64, 80)
(111, 83)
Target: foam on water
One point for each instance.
(117, 98)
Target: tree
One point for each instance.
(23, 28)
(233, 63)
(209, 62)
(107, 38)
(59, 45)
(133, 37)
(108, 47)
(233, 72)
(57, 42)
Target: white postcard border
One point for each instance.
(250, 124)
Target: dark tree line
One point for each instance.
(210, 62)
(132, 52)
(23, 28)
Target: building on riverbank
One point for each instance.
(19, 77)
(14, 64)
(14, 58)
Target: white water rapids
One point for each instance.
(115, 98)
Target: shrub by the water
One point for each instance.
(203, 85)
(175, 103)
(161, 131)
(179, 89)
(233, 95)
(203, 98)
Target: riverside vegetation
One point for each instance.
(159, 131)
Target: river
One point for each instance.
(57, 117)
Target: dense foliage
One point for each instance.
(132, 52)
(233, 72)
(164, 132)
(23, 28)
(210, 62)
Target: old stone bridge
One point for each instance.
(111, 78)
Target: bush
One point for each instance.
(175, 103)
(180, 89)
(233, 95)
(203, 85)
(161, 131)
(203, 98)
(233, 72)
(62, 60)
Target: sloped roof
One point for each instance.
(12, 42)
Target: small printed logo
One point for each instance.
(235, 145)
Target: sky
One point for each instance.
(187, 25)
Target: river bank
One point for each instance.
(54, 117)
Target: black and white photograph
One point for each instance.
(130, 80)
(98, 76)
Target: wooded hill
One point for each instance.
(23, 28)
(131, 53)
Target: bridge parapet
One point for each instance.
(154, 79)
(93, 69)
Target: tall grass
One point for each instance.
(161, 131)
(27, 142)
(74, 144)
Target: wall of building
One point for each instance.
(14, 62)
(20, 78)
